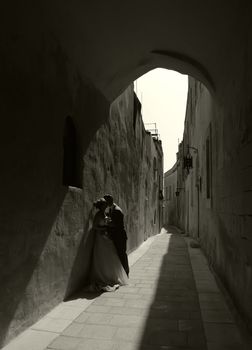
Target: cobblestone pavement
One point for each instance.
(172, 302)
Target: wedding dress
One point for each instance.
(107, 272)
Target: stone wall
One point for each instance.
(41, 220)
(48, 210)
(218, 193)
(121, 160)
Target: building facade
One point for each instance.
(215, 197)
(171, 208)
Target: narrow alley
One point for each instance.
(172, 302)
(72, 130)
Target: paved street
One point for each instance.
(172, 302)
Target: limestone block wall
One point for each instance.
(41, 219)
(120, 161)
(218, 192)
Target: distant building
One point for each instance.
(153, 183)
(170, 198)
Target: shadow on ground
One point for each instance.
(174, 319)
(83, 295)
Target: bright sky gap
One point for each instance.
(163, 95)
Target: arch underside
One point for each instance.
(193, 39)
(112, 45)
(159, 59)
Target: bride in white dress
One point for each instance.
(107, 272)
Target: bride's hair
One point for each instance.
(109, 199)
(99, 203)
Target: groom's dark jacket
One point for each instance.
(118, 235)
(117, 229)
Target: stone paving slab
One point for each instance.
(32, 340)
(172, 302)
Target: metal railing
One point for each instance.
(152, 128)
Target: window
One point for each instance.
(170, 193)
(155, 168)
(192, 189)
(136, 110)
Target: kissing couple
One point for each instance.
(109, 266)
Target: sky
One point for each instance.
(163, 95)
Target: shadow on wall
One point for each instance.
(174, 317)
(39, 239)
(83, 244)
(82, 263)
(23, 257)
(55, 263)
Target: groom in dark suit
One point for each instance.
(117, 231)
